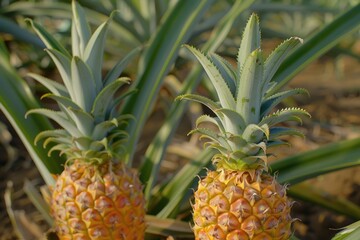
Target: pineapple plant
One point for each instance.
(97, 196)
(240, 199)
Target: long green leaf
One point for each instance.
(223, 91)
(49, 41)
(331, 157)
(248, 102)
(350, 232)
(51, 85)
(309, 193)
(8, 26)
(250, 40)
(317, 45)
(15, 100)
(275, 59)
(94, 54)
(63, 65)
(156, 150)
(156, 62)
(82, 29)
(83, 84)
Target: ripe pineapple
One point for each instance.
(97, 196)
(240, 199)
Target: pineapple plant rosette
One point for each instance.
(97, 196)
(240, 199)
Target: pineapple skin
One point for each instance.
(98, 202)
(241, 205)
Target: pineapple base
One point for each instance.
(240, 205)
(98, 202)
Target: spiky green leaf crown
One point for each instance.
(244, 122)
(89, 116)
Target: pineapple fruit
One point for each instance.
(240, 199)
(97, 196)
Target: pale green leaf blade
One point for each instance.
(234, 118)
(350, 232)
(283, 115)
(82, 28)
(63, 65)
(211, 135)
(62, 101)
(83, 84)
(276, 58)
(83, 120)
(224, 94)
(75, 41)
(58, 133)
(53, 86)
(271, 102)
(250, 41)
(226, 70)
(49, 41)
(213, 106)
(254, 133)
(212, 120)
(94, 54)
(59, 118)
(248, 101)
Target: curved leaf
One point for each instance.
(269, 103)
(83, 84)
(49, 41)
(250, 41)
(53, 86)
(331, 157)
(102, 101)
(223, 91)
(317, 45)
(80, 24)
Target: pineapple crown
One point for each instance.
(88, 104)
(244, 120)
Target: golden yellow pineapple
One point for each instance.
(98, 202)
(97, 196)
(239, 199)
(235, 205)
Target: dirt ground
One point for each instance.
(334, 104)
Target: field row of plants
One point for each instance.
(162, 119)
